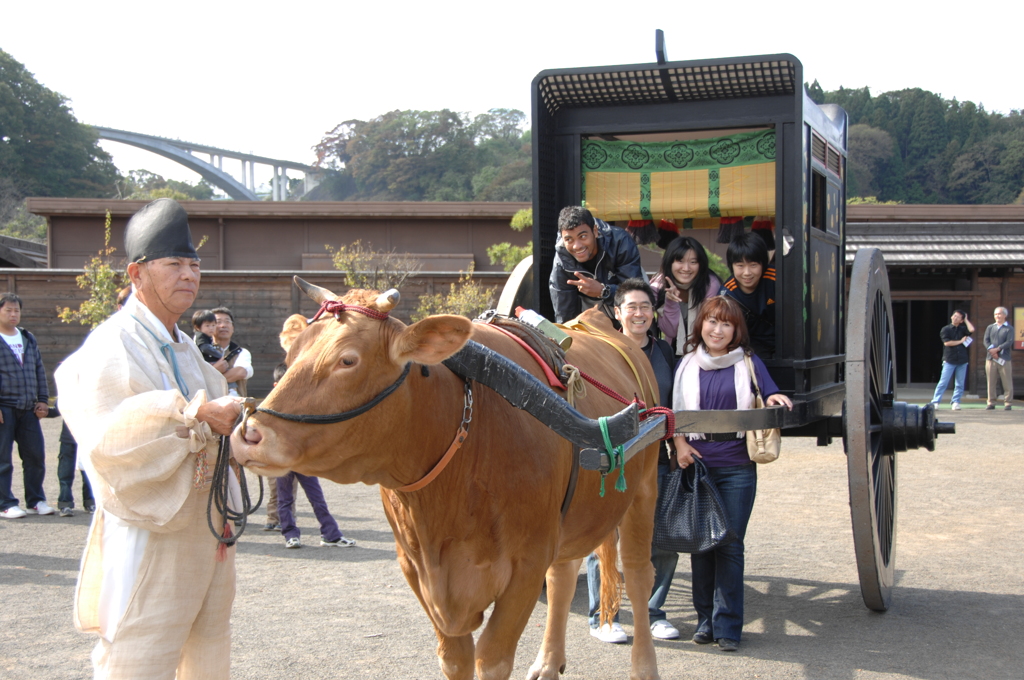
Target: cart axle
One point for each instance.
(907, 426)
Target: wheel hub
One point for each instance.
(908, 426)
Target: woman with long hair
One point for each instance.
(714, 375)
(683, 282)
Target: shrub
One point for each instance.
(465, 298)
(371, 270)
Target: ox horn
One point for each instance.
(316, 293)
(387, 300)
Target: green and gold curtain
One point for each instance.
(699, 179)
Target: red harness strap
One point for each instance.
(553, 380)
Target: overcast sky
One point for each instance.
(272, 78)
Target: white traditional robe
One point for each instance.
(149, 584)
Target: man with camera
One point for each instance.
(236, 361)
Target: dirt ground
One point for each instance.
(958, 610)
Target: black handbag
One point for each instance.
(690, 516)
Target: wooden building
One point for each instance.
(939, 258)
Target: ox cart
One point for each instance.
(698, 141)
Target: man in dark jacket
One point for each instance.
(23, 401)
(591, 259)
(998, 366)
(954, 357)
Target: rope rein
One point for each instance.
(220, 492)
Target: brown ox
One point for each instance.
(489, 527)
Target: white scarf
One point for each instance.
(687, 381)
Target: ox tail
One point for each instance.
(611, 580)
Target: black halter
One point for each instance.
(329, 418)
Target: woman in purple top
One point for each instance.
(683, 282)
(713, 375)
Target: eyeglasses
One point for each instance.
(633, 309)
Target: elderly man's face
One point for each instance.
(225, 329)
(169, 283)
(1000, 315)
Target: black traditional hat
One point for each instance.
(160, 229)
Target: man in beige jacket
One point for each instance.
(146, 411)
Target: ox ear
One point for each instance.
(293, 325)
(431, 340)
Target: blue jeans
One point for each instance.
(718, 573)
(664, 562)
(66, 473)
(959, 371)
(329, 530)
(22, 426)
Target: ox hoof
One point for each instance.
(540, 671)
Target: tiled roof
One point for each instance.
(983, 244)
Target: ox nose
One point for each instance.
(251, 434)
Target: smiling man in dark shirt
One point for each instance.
(591, 259)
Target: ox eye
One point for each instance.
(349, 361)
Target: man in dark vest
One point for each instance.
(237, 362)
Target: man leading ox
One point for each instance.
(146, 409)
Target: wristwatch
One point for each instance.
(604, 290)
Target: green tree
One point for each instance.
(427, 156)
(508, 255)
(815, 92)
(44, 150)
(102, 281)
(870, 153)
(944, 150)
(147, 186)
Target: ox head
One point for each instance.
(337, 362)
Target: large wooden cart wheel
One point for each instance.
(870, 394)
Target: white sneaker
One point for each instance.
(293, 542)
(13, 512)
(956, 406)
(339, 543)
(41, 508)
(663, 630)
(610, 633)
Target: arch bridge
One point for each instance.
(213, 169)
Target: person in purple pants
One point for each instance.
(330, 534)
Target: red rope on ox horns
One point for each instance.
(336, 307)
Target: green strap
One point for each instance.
(616, 454)
(645, 195)
(713, 193)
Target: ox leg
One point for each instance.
(635, 534)
(561, 580)
(496, 647)
(455, 654)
